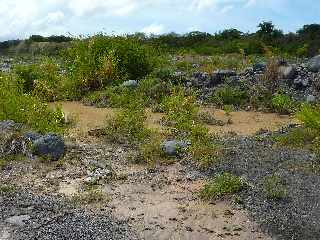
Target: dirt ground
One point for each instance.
(243, 122)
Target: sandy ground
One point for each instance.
(243, 123)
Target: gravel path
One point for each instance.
(26, 216)
(295, 217)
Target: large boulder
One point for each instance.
(130, 83)
(220, 76)
(259, 67)
(287, 72)
(314, 64)
(51, 146)
(173, 147)
(301, 83)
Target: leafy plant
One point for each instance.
(223, 184)
(128, 125)
(310, 116)
(229, 95)
(283, 104)
(24, 108)
(274, 187)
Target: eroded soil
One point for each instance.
(158, 203)
(242, 122)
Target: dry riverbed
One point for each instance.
(158, 203)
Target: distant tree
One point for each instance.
(36, 38)
(230, 34)
(268, 33)
(309, 32)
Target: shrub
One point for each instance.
(128, 125)
(182, 110)
(221, 185)
(274, 187)
(283, 104)
(43, 80)
(23, 108)
(310, 116)
(299, 137)
(151, 152)
(229, 95)
(100, 60)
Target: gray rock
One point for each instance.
(259, 67)
(220, 76)
(32, 136)
(301, 83)
(130, 83)
(51, 146)
(287, 72)
(173, 147)
(18, 220)
(8, 126)
(314, 64)
(311, 99)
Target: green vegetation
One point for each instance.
(306, 136)
(90, 196)
(99, 61)
(229, 95)
(283, 104)
(128, 125)
(24, 108)
(274, 187)
(222, 185)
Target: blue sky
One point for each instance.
(21, 18)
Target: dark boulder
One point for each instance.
(259, 67)
(51, 146)
(173, 147)
(314, 64)
(220, 76)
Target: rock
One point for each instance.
(220, 76)
(314, 64)
(173, 147)
(287, 72)
(310, 98)
(50, 145)
(32, 136)
(8, 126)
(301, 83)
(130, 83)
(259, 67)
(17, 220)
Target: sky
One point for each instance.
(22, 18)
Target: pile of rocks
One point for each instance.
(14, 141)
(302, 80)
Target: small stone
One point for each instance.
(18, 220)
(130, 83)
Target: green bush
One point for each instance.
(24, 108)
(128, 125)
(299, 137)
(221, 185)
(310, 116)
(274, 187)
(43, 80)
(229, 95)
(100, 60)
(283, 104)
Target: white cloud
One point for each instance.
(226, 9)
(153, 29)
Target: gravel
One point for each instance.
(42, 217)
(295, 217)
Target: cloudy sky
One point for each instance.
(21, 18)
